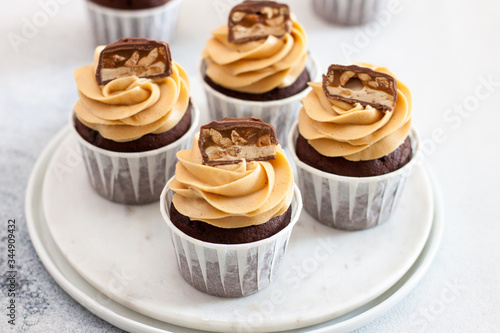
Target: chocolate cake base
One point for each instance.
(342, 167)
(212, 234)
(277, 93)
(130, 4)
(145, 143)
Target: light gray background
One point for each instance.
(443, 50)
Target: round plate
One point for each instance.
(124, 252)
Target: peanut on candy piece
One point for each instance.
(354, 84)
(255, 20)
(231, 140)
(134, 56)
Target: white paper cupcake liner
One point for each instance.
(351, 203)
(109, 24)
(280, 113)
(229, 270)
(134, 178)
(348, 12)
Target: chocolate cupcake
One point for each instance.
(231, 207)
(133, 115)
(348, 12)
(115, 19)
(130, 4)
(353, 146)
(258, 65)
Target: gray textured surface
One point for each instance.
(37, 91)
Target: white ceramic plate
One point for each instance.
(330, 280)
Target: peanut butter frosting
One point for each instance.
(357, 133)
(257, 66)
(128, 108)
(231, 196)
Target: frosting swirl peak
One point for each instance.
(128, 108)
(336, 128)
(231, 196)
(256, 66)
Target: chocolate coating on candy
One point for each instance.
(354, 84)
(255, 20)
(231, 140)
(134, 56)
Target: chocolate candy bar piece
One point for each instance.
(134, 56)
(231, 140)
(354, 84)
(255, 20)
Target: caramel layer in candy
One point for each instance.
(255, 20)
(231, 140)
(354, 84)
(134, 56)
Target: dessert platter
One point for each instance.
(157, 223)
(117, 262)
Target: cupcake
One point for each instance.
(133, 115)
(354, 146)
(231, 207)
(258, 65)
(348, 12)
(115, 19)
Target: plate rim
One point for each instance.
(374, 309)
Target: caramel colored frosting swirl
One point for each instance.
(128, 108)
(357, 133)
(257, 66)
(231, 196)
